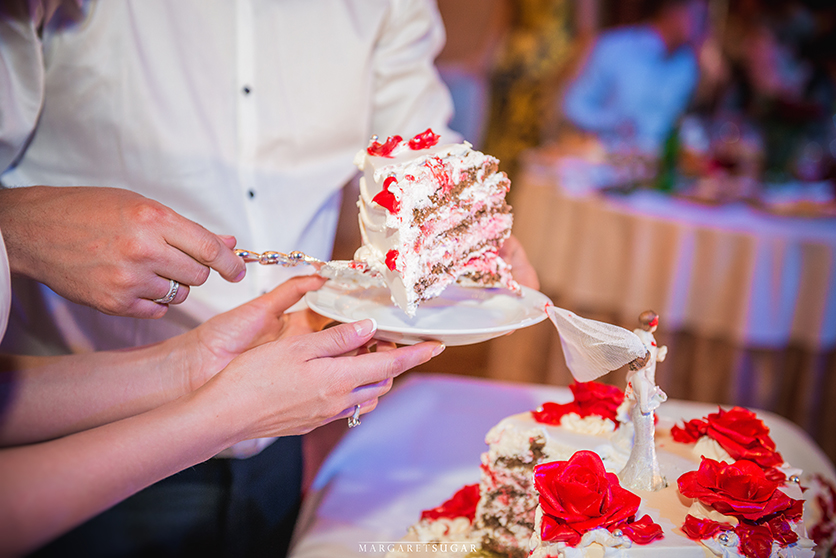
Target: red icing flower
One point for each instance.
(578, 495)
(698, 529)
(690, 431)
(738, 431)
(462, 504)
(384, 149)
(387, 199)
(424, 140)
(741, 433)
(391, 259)
(741, 489)
(591, 398)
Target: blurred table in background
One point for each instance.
(742, 285)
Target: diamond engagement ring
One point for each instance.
(354, 420)
(173, 287)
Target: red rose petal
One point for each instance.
(424, 140)
(387, 199)
(698, 529)
(461, 504)
(781, 530)
(591, 399)
(690, 431)
(755, 540)
(553, 530)
(384, 149)
(642, 531)
(391, 259)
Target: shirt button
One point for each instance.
(246, 89)
(251, 193)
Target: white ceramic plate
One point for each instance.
(460, 316)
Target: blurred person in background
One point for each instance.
(637, 80)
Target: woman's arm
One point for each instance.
(45, 397)
(282, 388)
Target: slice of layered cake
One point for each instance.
(431, 215)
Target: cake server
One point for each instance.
(350, 272)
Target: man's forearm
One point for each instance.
(17, 223)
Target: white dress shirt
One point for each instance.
(630, 78)
(243, 116)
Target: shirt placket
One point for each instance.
(247, 120)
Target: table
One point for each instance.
(728, 271)
(423, 442)
(747, 300)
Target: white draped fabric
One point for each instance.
(728, 272)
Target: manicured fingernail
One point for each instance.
(365, 327)
(241, 275)
(438, 350)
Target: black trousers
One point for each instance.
(223, 508)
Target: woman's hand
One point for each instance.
(213, 344)
(299, 383)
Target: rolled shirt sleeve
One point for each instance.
(409, 95)
(21, 80)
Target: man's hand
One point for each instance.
(514, 255)
(108, 248)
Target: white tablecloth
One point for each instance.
(423, 443)
(727, 272)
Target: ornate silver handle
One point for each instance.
(277, 258)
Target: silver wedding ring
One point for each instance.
(173, 287)
(354, 420)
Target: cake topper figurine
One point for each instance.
(642, 469)
(593, 349)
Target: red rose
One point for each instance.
(698, 529)
(384, 149)
(741, 433)
(740, 489)
(462, 504)
(690, 431)
(578, 495)
(591, 398)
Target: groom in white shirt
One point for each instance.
(243, 116)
